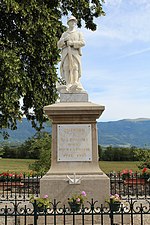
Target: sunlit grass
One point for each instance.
(21, 165)
(15, 165)
(109, 166)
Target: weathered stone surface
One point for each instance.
(74, 97)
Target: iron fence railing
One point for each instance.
(130, 187)
(21, 189)
(25, 213)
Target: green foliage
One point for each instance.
(10, 151)
(114, 199)
(119, 154)
(1, 151)
(100, 150)
(126, 154)
(29, 55)
(42, 145)
(144, 158)
(22, 151)
(83, 9)
(38, 147)
(77, 198)
(41, 202)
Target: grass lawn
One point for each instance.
(109, 166)
(21, 165)
(15, 165)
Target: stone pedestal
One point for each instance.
(74, 162)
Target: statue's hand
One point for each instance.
(69, 43)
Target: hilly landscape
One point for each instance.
(125, 133)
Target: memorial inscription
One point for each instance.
(74, 142)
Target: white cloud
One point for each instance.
(121, 109)
(144, 3)
(139, 52)
(124, 21)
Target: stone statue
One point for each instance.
(71, 42)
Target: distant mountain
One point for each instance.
(23, 132)
(125, 132)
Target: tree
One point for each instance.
(119, 154)
(100, 150)
(1, 151)
(143, 156)
(41, 148)
(29, 31)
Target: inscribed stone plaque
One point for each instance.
(74, 142)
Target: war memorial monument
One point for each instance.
(74, 154)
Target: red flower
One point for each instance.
(144, 170)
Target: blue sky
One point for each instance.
(116, 60)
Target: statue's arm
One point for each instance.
(80, 43)
(63, 41)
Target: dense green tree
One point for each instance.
(29, 31)
(100, 150)
(41, 144)
(144, 157)
(119, 154)
(1, 151)
(10, 151)
(37, 147)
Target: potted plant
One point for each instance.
(41, 203)
(114, 202)
(76, 200)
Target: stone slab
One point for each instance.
(74, 142)
(73, 97)
(70, 107)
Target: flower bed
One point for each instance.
(135, 181)
(12, 177)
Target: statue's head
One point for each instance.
(71, 18)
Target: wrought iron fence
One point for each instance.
(20, 189)
(16, 209)
(93, 213)
(129, 187)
